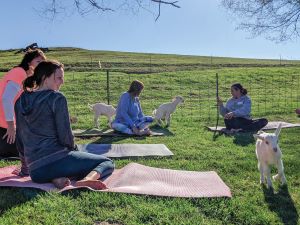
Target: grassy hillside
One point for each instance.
(275, 94)
(84, 60)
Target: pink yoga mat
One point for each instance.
(139, 179)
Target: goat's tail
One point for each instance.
(90, 106)
(154, 113)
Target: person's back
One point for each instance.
(43, 132)
(44, 136)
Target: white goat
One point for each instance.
(102, 109)
(268, 153)
(165, 110)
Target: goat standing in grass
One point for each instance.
(102, 109)
(268, 153)
(165, 110)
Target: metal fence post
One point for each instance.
(107, 87)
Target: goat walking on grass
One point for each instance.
(268, 153)
(165, 110)
(102, 109)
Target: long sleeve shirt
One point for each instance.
(11, 91)
(241, 107)
(43, 127)
(129, 110)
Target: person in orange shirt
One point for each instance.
(10, 91)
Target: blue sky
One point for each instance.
(198, 28)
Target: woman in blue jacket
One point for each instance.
(129, 116)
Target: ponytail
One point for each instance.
(43, 70)
(29, 82)
(238, 86)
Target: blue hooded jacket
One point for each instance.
(44, 133)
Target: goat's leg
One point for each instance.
(168, 119)
(267, 171)
(109, 121)
(280, 176)
(261, 170)
(160, 122)
(96, 118)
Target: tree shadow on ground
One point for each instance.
(282, 204)
(11, 197)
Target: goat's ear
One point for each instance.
(277, 132)
(257, 136)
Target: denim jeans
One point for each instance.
(141, 124)
(75, 165)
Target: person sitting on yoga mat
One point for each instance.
(10, 90)
(45, 135)
(129, 116)
(237, 111)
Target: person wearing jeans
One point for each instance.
(44, 136)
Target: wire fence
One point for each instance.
(271, 94)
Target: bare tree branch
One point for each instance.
(278, 20)
(84, 7)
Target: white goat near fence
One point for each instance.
(268, 153)
(102, 109)
(165, 110)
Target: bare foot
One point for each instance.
(61, 182)
(94, 184)
(146, 131)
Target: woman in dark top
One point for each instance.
(44, 135)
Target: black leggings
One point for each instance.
(7, 150)
(245, 124)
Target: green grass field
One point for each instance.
(275, 95)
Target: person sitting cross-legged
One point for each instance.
(44, 135)
(129, 116)
(237, 111)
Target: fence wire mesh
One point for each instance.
(271, 94)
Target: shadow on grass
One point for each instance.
(113, 139)
(244, 139)
(107, 135)
(12, 197)
(282, 204)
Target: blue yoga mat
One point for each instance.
(126, 150)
